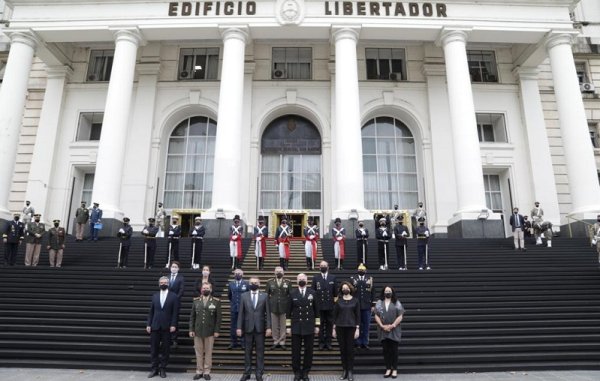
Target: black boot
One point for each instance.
(308, 263)
(282, 263)
(344, 375)
(350, 376)
(341, 264)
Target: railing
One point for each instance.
(589, 230)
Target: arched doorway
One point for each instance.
(290, 171)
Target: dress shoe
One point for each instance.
(297, 378)
(321, 347)
(387, 374)
(329, 347)
(153, 373)
(344, 375)
(306, 378)
(365, 346)
(207, 377)
(394, 374)
(243, 346)
(274, 346)
(350, 376)
(163, 374)
(245, 377)
(283, 347)
(197, 377)
(231, 346)
(259, 377)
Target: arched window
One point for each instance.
(291, 165)
(389, 164)
(190, 163)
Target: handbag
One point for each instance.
(98, 226)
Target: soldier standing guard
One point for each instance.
(81, 218)
(205, 321)
(235, 242)
(537, 218)
(303, 324)
(278, 289)
(362, 242)
(124, 236)
(35, 232)
(324, 285)
(95, 218)
(261, 233)
(311, 235)
(56, 244)
(12, 237)
(28, 213)
(197, 233)
(417, 214)
(365, 292)
(282, 241)
(150, 231)
(173, 240)
(383, 236)
(401, 234)
(338, 233)
(596, 236)
(423, 244)
(160, 217)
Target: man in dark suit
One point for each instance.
(254, 322)
(176, 286)
(235, 289)
(162, 321)
(325, 290)
(518, 226)
(303, 322)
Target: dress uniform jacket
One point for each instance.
(278, 295)
(150, 237)
(422, 235)
(56, 238)
(34, 228)
(398, 230)
(302, 312)
(205, 318)
(325, 291)
(174, 232)
(15, 232)
(82, 215)
(235, 291)
(364, 290)
(125, 237)
(95, 215)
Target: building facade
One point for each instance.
(290, 108)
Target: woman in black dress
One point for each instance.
(346, 322)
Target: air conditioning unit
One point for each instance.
(183, 74)
(587, 87)
(279, 74)
(395, 76)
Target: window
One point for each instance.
(493, 194)
(100, 65)
(389, 164)
(201, 63)
(482, 66)
(90, 126)
(593, 127)
(386, 64)
(491, 128)
(190, 163)
(581, 69)
(292, 63)
(88, 187)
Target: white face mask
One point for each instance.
(205, 273)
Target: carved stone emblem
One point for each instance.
(290, 12)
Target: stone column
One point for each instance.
(111, 150)
(39, 182)
(346, 137)
(542, 173)
(228, 143)
(13, 93)
(579, 155)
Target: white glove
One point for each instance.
(594, 241)
(404, 234)
(311, 237)
(426, 234)
(171, 232)
(235, 237)
(259, 238)
(121, 231)
(145, 231)
(385, 234)
(339, 238)
(194, 233)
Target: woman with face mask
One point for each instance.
(388, 316)
(205, 278)
(346, 327)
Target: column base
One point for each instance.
(468, 225)
(219, 227)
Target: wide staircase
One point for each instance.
(483, 306)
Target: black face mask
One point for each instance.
(253, 287)
(323, 270)
(164, 287)
(345, 291)
(301, 283)
(56, 225)
(361, 272)
(361, 225)
(279, 275)
(206, 292)
(37, 220)
(17, 219)
(238, 277)
(388, 295)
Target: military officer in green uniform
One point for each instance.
(82, 215)
(33, 240)
(56, 244)
(205, 321)
(278, 289)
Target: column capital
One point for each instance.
(240, 32)
(559, 38)
(448, 35)
(345, 32)
(59, 71)
(23, 36)
(132, 35)
(526, 73)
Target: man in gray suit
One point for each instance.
(254, 321)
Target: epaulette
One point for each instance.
(217, 299)
(198, 298)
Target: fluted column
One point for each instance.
(467, 156)
(347, 138)
(579, 155)
(228, 143)
(40, 172)
(111, 150)
(13, 93)
(542, 173)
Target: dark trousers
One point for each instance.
(365, 323)
(254, 341)
(160, 343)
(151, 250)
(326, 317)
(302, 368)
(422, 260)
(197, 250)
(360, 245)
(390, 353)
(382, 249)
(10, 253)
(400, 257)
(124, 255)
(93, 232)
(174, 244)
(232, 328)
(345, 337)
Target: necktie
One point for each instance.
(254, 299)
(172, 279)
(303, 293)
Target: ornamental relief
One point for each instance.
(290, 12)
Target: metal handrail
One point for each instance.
(589, 227)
